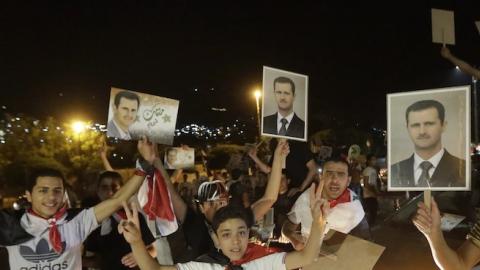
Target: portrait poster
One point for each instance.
(428, 140)
(133, 114)
(284, 104)
(179, 158)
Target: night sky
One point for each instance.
(60, 58)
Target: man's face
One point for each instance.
(425, 128)
(126, 112)
(233, 238)
(209, 208)
(107, 187)
(335, 175)
(171, 157)
(284, 96)
(47, 196)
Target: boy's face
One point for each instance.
(108, 186)
(233, 238)
(47, 196)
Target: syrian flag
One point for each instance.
(154, 199)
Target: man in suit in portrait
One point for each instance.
(285, 121)
(125, 108)
(430, 165)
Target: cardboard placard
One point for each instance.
(132, 115)
(344, 252)
(179, 158)
(443, 26)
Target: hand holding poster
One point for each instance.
(133, 114)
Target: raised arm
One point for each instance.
(462, 65)
(103, 156)
(312, 171)
(428, 222)
(252, 153)
(131, 231)
(106, 208)
(262, 205)
(320, 208)
(179, 206)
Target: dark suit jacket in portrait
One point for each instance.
(295, 129)
(113, 131)
(450, 172)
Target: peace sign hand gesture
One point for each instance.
(130, 228)
(319, 207)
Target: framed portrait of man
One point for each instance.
(179, 158)
(428, 139)
(133, 114)
(284, 104)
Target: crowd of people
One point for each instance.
(220, 217)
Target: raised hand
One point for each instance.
(282, 149)
(427, 220)
(102, 151)
(130, 228)
(252, 152)
(445, 52)
(147, 149)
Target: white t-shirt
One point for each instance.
(37, 253)
(343, 217)
(274, 261)
(372, 180)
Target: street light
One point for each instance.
(78, 127)
(257, 94)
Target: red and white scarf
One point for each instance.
(53, 234)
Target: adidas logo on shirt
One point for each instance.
(42, 256)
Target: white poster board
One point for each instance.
(284, 98)
(443, 26)
(429, 125)
(133, 114)
(179, 158)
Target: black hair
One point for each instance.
(231, 212)
(236, 191)
(127, 95)
(337, 159)
(109, 174)
(284, 80)
(43, 172)
(426, 104)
